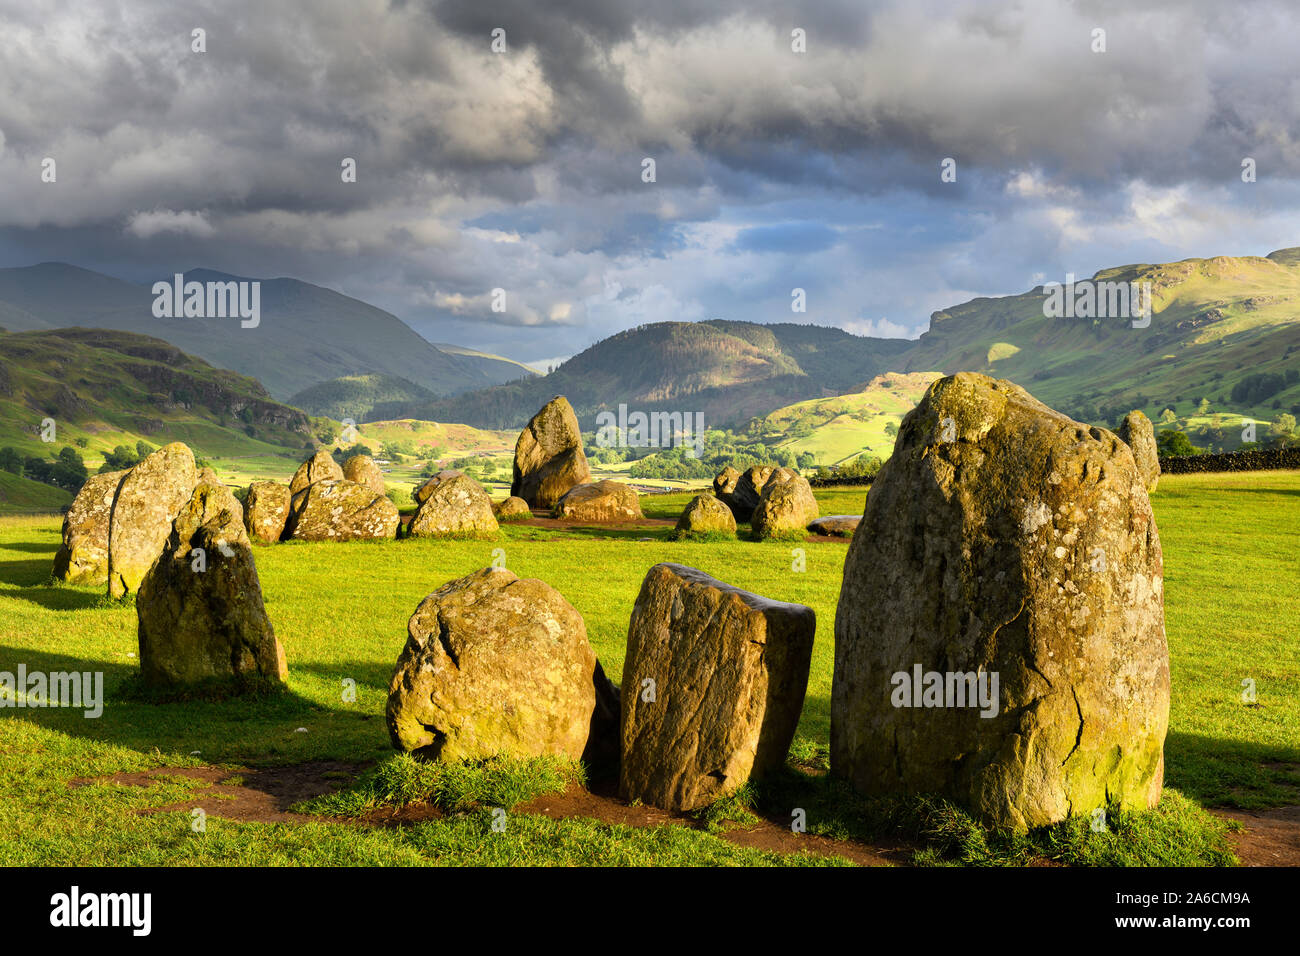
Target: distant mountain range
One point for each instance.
(306, 335)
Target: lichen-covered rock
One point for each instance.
(513, 508)
(340, 510)
(319, 467)
(786, 507)
(363, 470)
(83, 556)
(1137, 432)
(744, 498)
(839, 526)
(456, 507)
(266, 510)
(724, 483)
(148, 499)
(600, 501)
(706, 515)
(200, 611)
(549, 459)
(428, 486)
(493, 664)
(1003, 540)
(713, 686)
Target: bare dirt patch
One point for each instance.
(1271, 837)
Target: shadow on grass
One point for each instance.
(1232, 773)
(33, 548)
(24, 574)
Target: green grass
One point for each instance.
(1230, 544)
(22, 495)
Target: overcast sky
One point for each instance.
(522, 169)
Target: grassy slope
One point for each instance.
(1223, 625)
(25, 495)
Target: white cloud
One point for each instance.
(146, 225)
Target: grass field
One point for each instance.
(1231, 545)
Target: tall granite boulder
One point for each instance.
(363, 470)
(266, 510)
(724, 483)
(201, 617)
(549, 459)
(1000, 633)
(494, 664)
(83, 556)
(603, 501)
(319, 467)
(148, 499)
(456, 507)
(744, 498)
(785, 509)
(713, 686)
(1137, 432)
(340, 510)
(705, 516)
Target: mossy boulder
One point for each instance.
(266, 510)
(513, 508)
(837, 526)
(200, 611)
(319, 467)
(549, 459)
(340, 510)
(82, 557)
(1137, 432)
(494, 664)
(456, 507)
(705, 516)
(148, 499)
(785, 508)
(744, 497)
(363, 470)
(1003, 539)
(602, 501)
(713, 687)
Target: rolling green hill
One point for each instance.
(104, 388)
(1215, 322)
(729, 371)
(307, 334)
(355, 396)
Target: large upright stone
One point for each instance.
(785, 509)
(713, 686)
(428, 486)
(456, 507)
(319, 467)
(549, 459)
(83, 556)
(1137, 432)
(148, 499)
(603, 501)
(1003, 539)
(340, 510)
(494, 664)
(266, 510)
(200, 611)
(724, 483)
(363, 470)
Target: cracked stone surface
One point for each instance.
(266, 510)
(453, 505)
(549, 459)
(148, 500)
(495, 664)
(340, 510)
(83, 556)
(727, 673)
(1024, 546)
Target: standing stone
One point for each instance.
(600, 501)
(319, 467)
(149, 498)
(724, 483)
(713, 686)
(785, 509)
(200, 610)
(266, 510)
(1003, 539)
(493, 664)
(1137, 432)
(749, 488)
(427, 487)
(340, 510)
(83, 556)
(513, 508)
(705, 515)
(363, 470)
(456, 507)
(549, 459)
